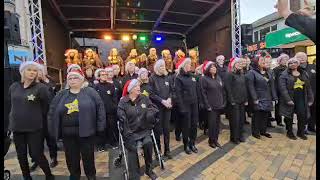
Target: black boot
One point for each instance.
(302, 136)
(290, 135)
(53, 162)
(187, 149)
(151, 174)
(167, 154)
(193, 148)
(33, 166)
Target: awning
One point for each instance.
(287, 38)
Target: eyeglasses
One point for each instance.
(103, 74)
(73, 78)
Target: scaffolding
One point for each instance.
(37, 43)
(236, 28)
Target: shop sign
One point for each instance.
(18, 54)
(255, 47)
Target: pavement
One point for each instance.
(264, 159)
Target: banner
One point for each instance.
(18, 54)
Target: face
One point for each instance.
(31, 72)
(220, 60)
(131, 68)
(144, 76)
(243, 62)
(261, 63)
(135, 90)
(74, 81)
(104, 76)
(267, 63)
(238, 66)
(89, 72)
(187, 67)
(293, 65)
(110, 74)
(213, 70)
(284, 61)
(302, 57)
(116, 70)
(162, 68)
(248, 61)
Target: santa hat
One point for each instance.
(157, 65)
(109, 68)
(182, 62)
(232, 63)
(66, 53)
(206, 65)
(141, 71)
(26, 64)
(73, 66)
(293, 60)
(129, 86)
(97, 73)
(76, 72)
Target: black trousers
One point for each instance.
(112, 129)
(259, 122)
(177, 118)
(300, 110)
(276, 114)
(33, 141)
(163, 127)
(52, 146)
(236, 122)
(133, 159)
(77, 148)
(313, 113)
(203, 118)
(189, 124)
(213, 125)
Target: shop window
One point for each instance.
(263, 33)
(274, 28)
(256, 36)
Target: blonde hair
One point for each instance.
(23, 79)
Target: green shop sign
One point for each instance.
(284, 36)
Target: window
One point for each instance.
(274, 27)
(256, 36)
(263, 33)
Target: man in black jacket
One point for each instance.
(311, 72)
(282, 61)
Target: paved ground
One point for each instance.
(276, 158)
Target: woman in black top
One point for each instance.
(77, 115)
(129, 72)
(29, 104)
(237, 97)
(260, 83)
(109, 91)
(187, 102)
(137, 117)
(296, 97)
(145, 87)
(161, 96)
(214, 100)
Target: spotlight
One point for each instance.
(158, 38)
(107, 37)
(142, 38)
(125, 38)
(134, 37)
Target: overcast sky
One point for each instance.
(252, 10)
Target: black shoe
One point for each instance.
(212, 145)
(280, 124)
(266, 135)
(193, 148)
(291, 136)
(178, 138)
(218, 145)
(50, 177)
(304, 137)
(256, 136)
(53, 163)
(187, 149)
(151, 175)
(167, 154)
(33, 167)
(241, 139)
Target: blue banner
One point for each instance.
(18, 54)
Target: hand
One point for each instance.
(246, 103)
(283, 8)
(209, 109)
(256, 102)
(290, 103)
(233, 103)
(310, 103)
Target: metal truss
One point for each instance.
(37, 32)
(235, 28)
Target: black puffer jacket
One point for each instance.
(236, 88)
(277, 72)
(213, 92)
(110, 94)
(185, 90)
(261, 88)
(136, 118)
(286, 86)
(161, 87)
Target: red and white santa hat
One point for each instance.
(26, 64)
(232, 62)
(182, 62)
(76, 72)
(97, 73)
(206, 65)
(129, 86)
(73, 66)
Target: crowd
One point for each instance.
(85, 113)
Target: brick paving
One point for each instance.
(275, 158)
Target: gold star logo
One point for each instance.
(145, 93)
(31, 97)
(108, 92)
(166, 83)
(298, 84)
(143, 106)
(73, 106)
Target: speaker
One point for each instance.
(11, 28)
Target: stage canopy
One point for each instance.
(93, 18)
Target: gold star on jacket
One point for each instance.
(298, 84)
(73, 106)
(31, 97)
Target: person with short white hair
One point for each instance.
(130, 72)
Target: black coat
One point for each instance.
(92, 115)
(128, 77)
(311, 70)
(305, 25)
(29, 107)
(199, 93)
(222, 71)
(145, 89)
(136, 118)
(262, 89)
(185, 90)
(286, 84)
(161, 87)
(110, 94)
(277, 72)
(213, 92)
(236, 88)
(119, 80)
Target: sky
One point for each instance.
(252, 10)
